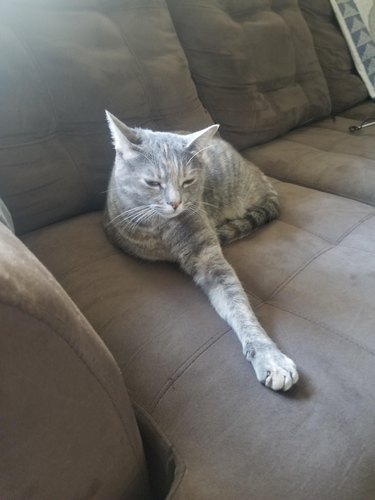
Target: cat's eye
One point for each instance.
(152, 183)
(187, 182)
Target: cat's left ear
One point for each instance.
(125, 139)
(201, 138)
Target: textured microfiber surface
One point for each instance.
(325, 156)
(62, 64)
(309, 277)
(254, 65)
(67, 426)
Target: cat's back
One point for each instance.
(230, 177)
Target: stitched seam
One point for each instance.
(321, 125)
(320, 236)
(185, 107)
(250, 294)
(297, 272)
(76, 168)
(290, 180)
(184, 367)
(303, 143)
(181, 467)
(139, 69)
(363, 250)
(62, 278)
(58, 334)
(349, 231)
(315, 256)
(37, 68)
(323, 325)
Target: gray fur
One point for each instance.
(208, 194)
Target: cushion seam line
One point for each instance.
(321, 325)
(178, 374)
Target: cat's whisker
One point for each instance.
(150, 216)
(111, 190)
(135, 215)
(195, 209)
(129, 215)
(142, 217)
(145, 216)
(209, 204)
(128, 212)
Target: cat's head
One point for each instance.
(159, 169)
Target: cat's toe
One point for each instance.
(280, 379)
(274, 369)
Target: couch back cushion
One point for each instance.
(345, 86)
(67, 425)
(254, 65)
(63, 62)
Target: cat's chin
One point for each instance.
(171, 215)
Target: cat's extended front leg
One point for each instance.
(217, 278)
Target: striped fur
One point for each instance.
(176, 197)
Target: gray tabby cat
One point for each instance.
(176, 197)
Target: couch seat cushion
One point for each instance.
(325, 156)
(254, 65)
(310, 278)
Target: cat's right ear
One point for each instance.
(201, 138)
(124, 138)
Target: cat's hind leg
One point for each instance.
(254, 217)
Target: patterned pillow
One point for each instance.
(357, 22)
(345, 86)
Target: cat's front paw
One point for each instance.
(272, 367)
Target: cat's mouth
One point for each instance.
(170, 212)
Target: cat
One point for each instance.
(178, 197)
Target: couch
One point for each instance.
(117, 378)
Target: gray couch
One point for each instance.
(117, 378)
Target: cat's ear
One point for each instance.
(125, 139)
(201, 138)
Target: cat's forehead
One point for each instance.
(166, 143)
(168, 152)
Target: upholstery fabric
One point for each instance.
(62, 64)
(164, 466)
(345, 86)
(307, 276)
(324, 156)
(254, 65)
(363, 111)
(67, 427)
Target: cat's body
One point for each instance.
(176, 197)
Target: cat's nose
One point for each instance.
(174, 204)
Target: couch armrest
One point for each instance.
(67, 426)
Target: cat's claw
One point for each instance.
(273, 368)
